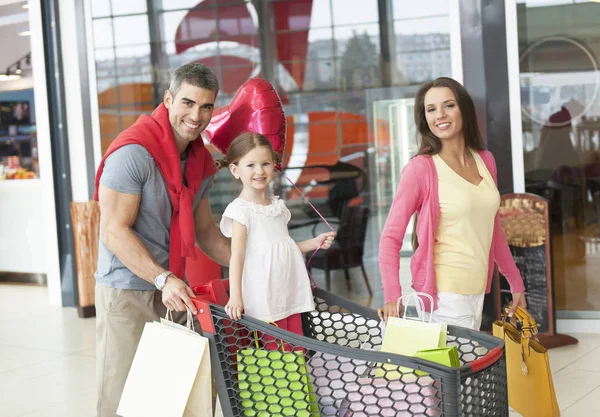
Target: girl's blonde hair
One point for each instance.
(243, 144)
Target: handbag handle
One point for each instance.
(529, 326)
(421, 303)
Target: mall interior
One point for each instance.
(75, 73)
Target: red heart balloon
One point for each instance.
(256, 107)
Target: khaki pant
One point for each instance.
(120, 319)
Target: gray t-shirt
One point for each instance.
(130, 169)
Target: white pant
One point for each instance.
(457, 310)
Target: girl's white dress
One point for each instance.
(275, 283)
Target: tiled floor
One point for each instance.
(47, 360)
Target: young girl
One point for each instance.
(267, 274)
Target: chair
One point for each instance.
(345, 183)
(347, 249)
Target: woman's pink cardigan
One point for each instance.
(418, 192)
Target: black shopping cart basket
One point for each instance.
(337, 370)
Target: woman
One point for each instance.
(451, 185)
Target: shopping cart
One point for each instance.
(336, 370)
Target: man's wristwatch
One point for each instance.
(161, 280)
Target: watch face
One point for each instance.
(160, 281)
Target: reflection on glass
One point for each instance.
(359, 60)
(320, 44)
(422, 51)
(319, 75)
(394, 144)
(343, 36)
(560, 102)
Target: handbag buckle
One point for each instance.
(524, 367)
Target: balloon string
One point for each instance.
(305, 198)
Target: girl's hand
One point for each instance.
(234, 308)
(518, 301)
(324, 240)
(388, 310)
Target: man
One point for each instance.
(152, 186)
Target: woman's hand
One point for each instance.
(518, 301)
(234, 308)
(324, 240)
(388, 310)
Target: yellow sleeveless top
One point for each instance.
(464, 236)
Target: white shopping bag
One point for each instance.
(170, 375)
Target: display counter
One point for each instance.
(22, 232)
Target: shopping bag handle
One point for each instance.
(189, 319)
(282, 344)
(421, 303)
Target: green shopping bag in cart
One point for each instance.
(275, 382)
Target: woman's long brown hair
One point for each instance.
(429, 144)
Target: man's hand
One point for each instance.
(518, 301)
(176, 295)
(388, 310)
(234, 307)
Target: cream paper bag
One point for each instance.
(170, 375)
(406, 336)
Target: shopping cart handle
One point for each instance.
(214, 291)
(488, 360)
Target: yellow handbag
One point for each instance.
(530, 385)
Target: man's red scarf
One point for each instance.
(156, 135)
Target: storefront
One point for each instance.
(27, 216)
(347, 71)
(559, 50)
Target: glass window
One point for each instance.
(420, 9)
(320, 44)
(319, 75)
(364, 40)
(327, 70)
(560, 102)
(103, 33)
(320, 15)
(131, 30)
(100, 8)
(351, 12)
(120, 7)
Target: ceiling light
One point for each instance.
(25, 33)
(26, 6)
